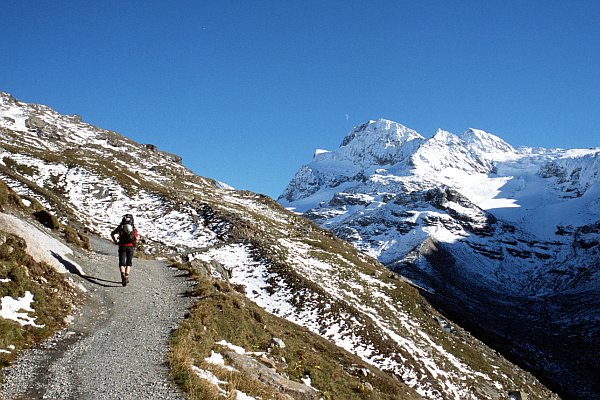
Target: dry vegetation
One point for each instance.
(53, 296)
(222, 313)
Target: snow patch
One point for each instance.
(237, 349)
(217, 359)
(211, 378)
(11, 309)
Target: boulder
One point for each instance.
(211, 268)
(35, 123)
(252, 367)
(278, 342)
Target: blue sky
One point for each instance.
(246, 90)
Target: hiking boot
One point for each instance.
(126, 279)
(123, 279)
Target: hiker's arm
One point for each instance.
(113, 234)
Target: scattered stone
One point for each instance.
(278, 342)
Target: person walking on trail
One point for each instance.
(125, 235)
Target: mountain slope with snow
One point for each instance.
(478, 225)
(283, 263)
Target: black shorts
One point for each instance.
(125, 255)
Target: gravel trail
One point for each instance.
(116, 346)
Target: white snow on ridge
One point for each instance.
(533, 190)
(257, 280)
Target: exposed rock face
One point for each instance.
(474, 222)
(211, 268)
(169, 156)
(294, 390)
(35, 123)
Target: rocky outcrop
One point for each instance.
(35, 123)
(293, 390)
(211, 268)
(169, 156)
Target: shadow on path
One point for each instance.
(73, 269)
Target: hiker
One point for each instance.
(125, 235)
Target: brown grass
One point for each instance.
(53, 297)
(223, 313)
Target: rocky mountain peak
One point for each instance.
(446, 150)
(443, 136)
(477, 225)
(378, 142)
(487, 145)
(381, 130)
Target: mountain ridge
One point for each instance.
(509, 221)
(250, 252)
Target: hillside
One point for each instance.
(350, 327)
(502, 239)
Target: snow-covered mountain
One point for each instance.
(88, 177)
(504, 240)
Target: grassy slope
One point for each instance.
(262, 224)
(53, 297)
(222, 313)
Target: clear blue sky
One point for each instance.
(246, 90)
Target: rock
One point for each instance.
(169, 156)
(151, 147)
(293, 390)
(212, 268)
(278, 342)
(42, 128)
(268, 362)
(35, 123)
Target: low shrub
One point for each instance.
(47, 219)
(75, 237)
(8, 198)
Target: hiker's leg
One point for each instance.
(128, 258)
(122, 258)
(122, 263)
(123, 276)
(128, 262)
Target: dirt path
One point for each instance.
(116, 346)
